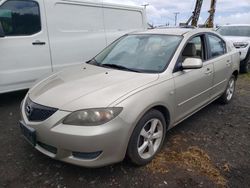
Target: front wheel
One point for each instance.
(147, 138)
(229, 92)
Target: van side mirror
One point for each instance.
(1, 30)
(192, 63)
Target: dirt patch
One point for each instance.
(193, 159)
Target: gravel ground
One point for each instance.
(209, 149)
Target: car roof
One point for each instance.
(175, 31)
(167, 31)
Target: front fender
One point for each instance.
(135, 106)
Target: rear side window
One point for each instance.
(217, 46)
(20, 17)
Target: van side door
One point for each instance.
(120, 21)
(76, 32)
(24, 51)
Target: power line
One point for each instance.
(168, 17)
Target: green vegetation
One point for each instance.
(245, 76)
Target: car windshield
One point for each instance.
(139, 53)
(241, 31)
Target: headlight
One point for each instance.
(240, 44)
(92, 117)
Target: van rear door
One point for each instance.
(24, 51)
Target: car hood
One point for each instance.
(87, 86)
(237, 39)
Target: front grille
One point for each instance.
(37, 112)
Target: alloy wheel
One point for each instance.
(230, 89)
(150, 138)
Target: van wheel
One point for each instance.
(229, 92)
(147, 138)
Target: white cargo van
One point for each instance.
(38, 37)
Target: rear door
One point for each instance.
(24, 51)
(222, 63)
(193, 87)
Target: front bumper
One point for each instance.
(108, 142)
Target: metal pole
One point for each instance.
(145, 5)
(176, 17)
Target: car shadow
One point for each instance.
(12, 97)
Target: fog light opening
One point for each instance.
(47, 147)
(85, 155)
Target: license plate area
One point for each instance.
(29, 133)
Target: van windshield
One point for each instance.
(240, 31)
(139, 53)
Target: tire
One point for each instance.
(147, 138)
(229, 92)
(245, 65)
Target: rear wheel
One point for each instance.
(147, 138)
(229, 92)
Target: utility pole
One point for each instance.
(145, 5)
(176, 17)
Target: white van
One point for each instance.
(38, 37)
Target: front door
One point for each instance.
(193, 87)
(24, 51)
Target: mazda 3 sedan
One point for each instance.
(122, 102)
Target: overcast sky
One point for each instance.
(160, 12)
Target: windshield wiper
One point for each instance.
(120, 67)
(92, 62)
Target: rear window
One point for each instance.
(241, 31)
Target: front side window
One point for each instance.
(194, 49)
(217, 46)
(143, 52)
(20, 18)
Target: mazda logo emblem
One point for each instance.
(28, 110)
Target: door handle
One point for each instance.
(37, 42)
(208, 71)
(228, 62)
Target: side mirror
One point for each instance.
(192, 63)
(1, 30)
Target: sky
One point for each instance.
(160, 12)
